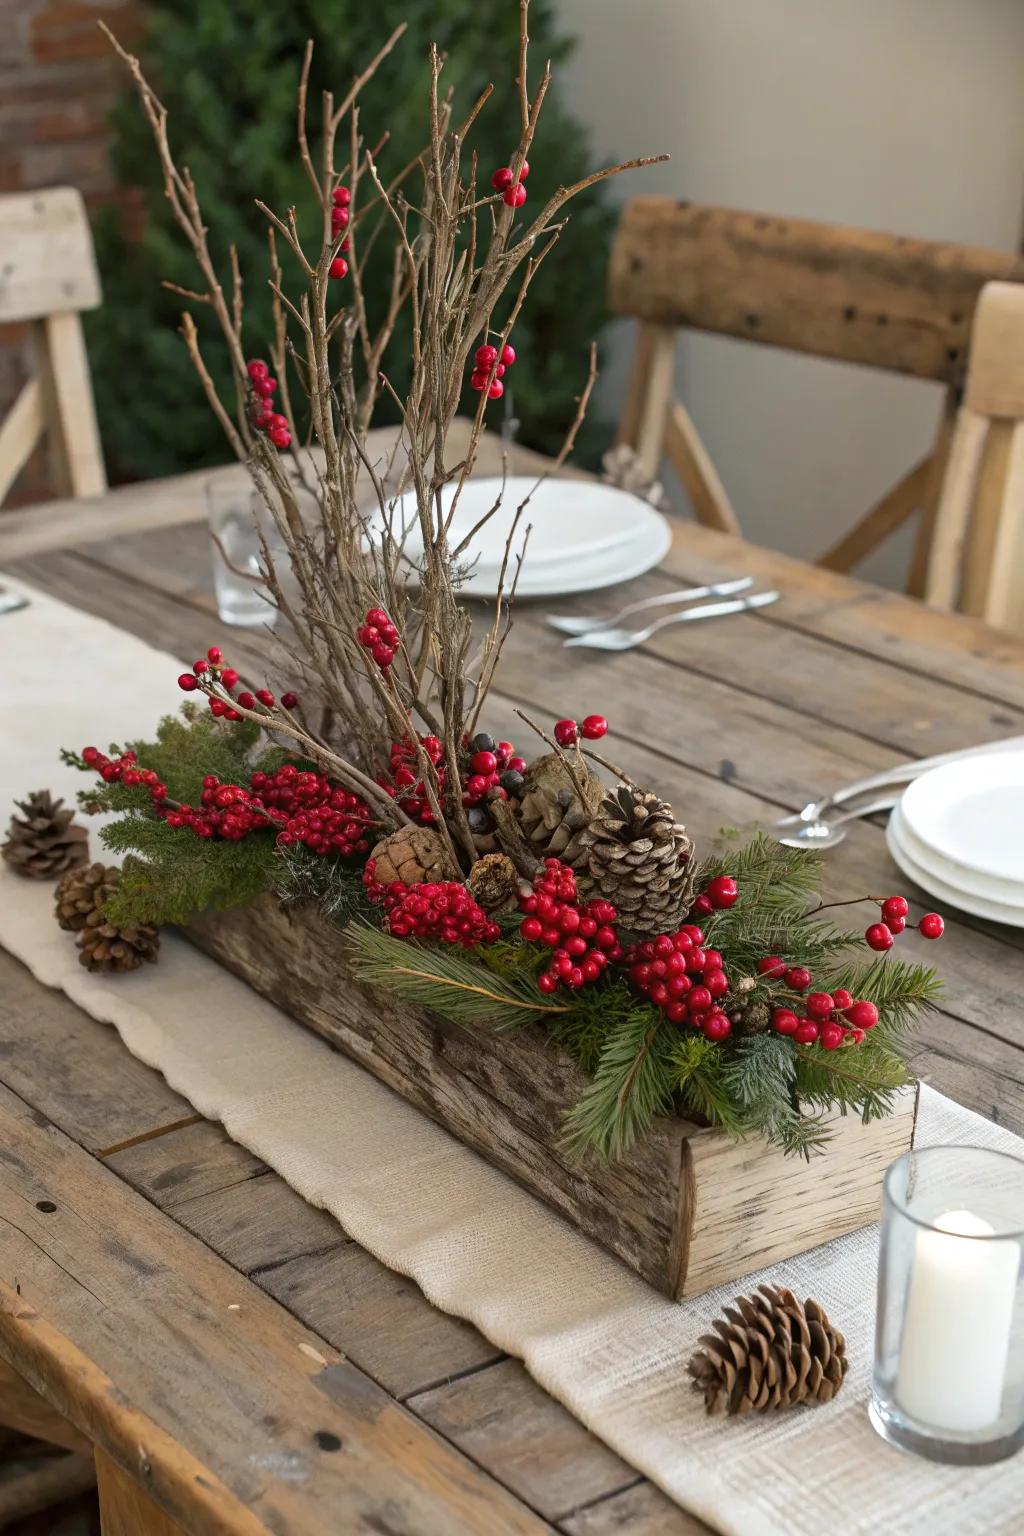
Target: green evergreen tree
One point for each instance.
(228, 76)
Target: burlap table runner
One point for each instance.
(597, 1338)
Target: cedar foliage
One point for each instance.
(228, 76)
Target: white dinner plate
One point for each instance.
(971, 813)
(1008, 893)
(567, 518)
(994, 911)
(584, 574)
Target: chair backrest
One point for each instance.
(47, 277)
(855, 295)
(977, 557)
(852, 295)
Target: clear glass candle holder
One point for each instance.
(238, 516)
(949, 1332)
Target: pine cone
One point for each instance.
(412, 855)
(45, 840)
(493, 882)
(80, 892)
(637, 856)
(551, 813)
(770, 1353)
(752, 1018)
(102, 944)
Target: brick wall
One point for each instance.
(58, 81)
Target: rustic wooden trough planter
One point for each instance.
(687, 1209)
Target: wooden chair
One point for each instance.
(47, 277)
(977, 554)
(848, 294)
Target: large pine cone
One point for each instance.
(769, 1352)
(413, 854)
(637, 856)
(102, 944)
(551, 812)
(44, 840)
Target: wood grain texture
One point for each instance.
(266, 1430)
(687, 1208)
(48, 260)
(640, 1511)
(125, 1508)
(857, 295)
(23, 1409)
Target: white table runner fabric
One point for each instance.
(594, 1335)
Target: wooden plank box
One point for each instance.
(688, 1208)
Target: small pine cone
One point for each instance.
(494, 882)
(44, 840)
(551, 812)
(413, 854)
(102, 944)
(754, 1019)
(769, 1352)
(637, 856)
(80, 892)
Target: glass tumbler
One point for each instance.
(949, 1329)
(237, 515)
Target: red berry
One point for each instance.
(289, 700)
(341, 197)
(524, 170)
(717, 983)
(502, 178)
(478, 381)
(229, 677)
(565, 732)
(483, 762)
(878, 936)
(339, 267)
(218, 707)
(797, 978)
(280, 437)
(264, 387)
(841, 998)
(186, 682)
(265, 697)
(784, 1021)
(897, 925)
(806, 1032)
(722, 892)
(547, 982)
(819, 1004)
(863, 1014)
(931, 926)
(716, 1026)
(702, 906)
(257, 369)
(515, 196)
(200, 666)
(831, 1036)
(246, 700)
(594, 727)
(215, 654)
(698, 998)
(486, 357)
(771, 966)
(894, 906)
(495, 390)
(339, 220)
(508, 354)
(531, 929)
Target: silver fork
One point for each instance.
(825, 833)
(570, 624)
(11, 602)
(625, 640)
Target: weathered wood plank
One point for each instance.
(858, 295)
(24, 1410)
(641, 1511)
(185, 1163)
(507, 1423)
(259, 1223)
(125, 1508)
(380, 1320)
(265, 1429)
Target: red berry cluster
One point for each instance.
(403, 783)
(340, 200)
(717, 896)
(493, 769)
(324, 817)
(581, 935)
(489, 367)
(442, 910)
(567, 733)
(264, 417)
(511, 188)
(378, 635)
(830, 1019)
(124, 769)
(682, 978)
(895, 911)
(210, 671)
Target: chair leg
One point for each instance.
(918, 570)
(125, 1508)
(952, 518)
(68, 404)
(885, 517)
(650, 438)
(700, 480)
(636, 389)
(1004, 597)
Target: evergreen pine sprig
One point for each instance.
(631, 1086)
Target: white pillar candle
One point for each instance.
(957, 1324)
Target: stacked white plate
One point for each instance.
(958, 831)
(582, 535)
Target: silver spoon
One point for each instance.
(825, 834)
(623, 640)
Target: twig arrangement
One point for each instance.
(459, 256)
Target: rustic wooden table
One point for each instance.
(226, 1345)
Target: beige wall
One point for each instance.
(895, 114)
